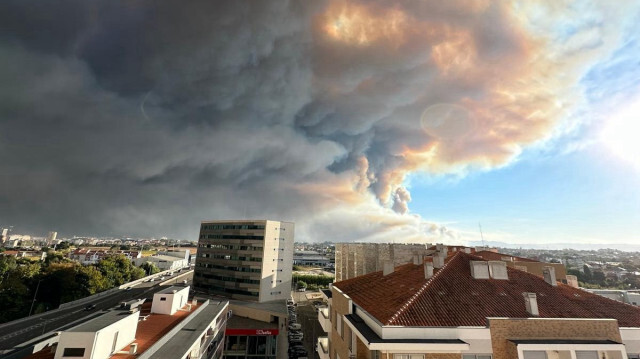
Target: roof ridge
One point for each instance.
(419, 292)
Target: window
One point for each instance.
(73, 352)
(163, 299)
(476, 356)
(408, 356)
(535, 355)
(592, 354)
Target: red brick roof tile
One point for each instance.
(452, 297)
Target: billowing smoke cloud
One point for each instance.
(146, 117)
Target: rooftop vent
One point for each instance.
(531, 303)
(467, 250)
(498, 270)
(440, 247)
(133, 349)
(549, 274)
(417, 259)
(428, 270)
(479, 269)
(387, 268)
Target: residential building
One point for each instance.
(164, 262)
(169, 327)
(51, 237)
(459, 305)
(4, 235)
(625, 296)
(93, 256)
(245, 259)
(356, 259)
(526, 264)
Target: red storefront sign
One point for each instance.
(229, 331)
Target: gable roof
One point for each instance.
(452, 297)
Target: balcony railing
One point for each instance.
(322, 347)
(323, 318)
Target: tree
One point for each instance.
(302, 284)
(149, 268)
(587, 273)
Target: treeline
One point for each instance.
(311, 281)
(56, 280)
(597, 279)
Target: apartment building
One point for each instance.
(168, 327)
(245, 259)
(459, 305)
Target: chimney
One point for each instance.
(133, 349)
(572, 280)
(438, 260)
(549, 274)
(417, 259)
(387, 268)
(479, 269)
(440, 247)
(467, 250)
(498, 270)
(194, 302)
(531, 303)
(428, 270)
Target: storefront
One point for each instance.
(250, 343)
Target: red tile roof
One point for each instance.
(452, 297)
(495, 256)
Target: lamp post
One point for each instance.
(34, 297)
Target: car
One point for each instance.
(128, 288)
(290, 302)
(296, 337)
(295, 343)
(317, 303)
(295, 326)
(90, 307)
(301, 289)
(161, 278)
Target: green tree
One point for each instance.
(149, 268)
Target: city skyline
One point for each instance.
(406, 122)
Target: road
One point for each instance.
(308, 318)
(15, 333)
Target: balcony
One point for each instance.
(323, 318)
(322, 347)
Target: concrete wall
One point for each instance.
(504, 329)
(126, 333)
(356, 259)
(536, 268)
(172, 302)
(75, 340)
(340, 306)
(277, 261)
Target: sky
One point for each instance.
(372, 121)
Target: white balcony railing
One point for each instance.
(322, 347)
(323, 318)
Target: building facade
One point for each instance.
(356, 259)
(464, 307)
(245, 259)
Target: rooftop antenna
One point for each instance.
(481, 236)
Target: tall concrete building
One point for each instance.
(356, 259)
(245, 259)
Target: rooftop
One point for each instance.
(452, 297)
(101, 322)
(495, 256)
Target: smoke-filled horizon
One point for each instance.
(144, 118)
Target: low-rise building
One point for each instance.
(163, 262)
(462, 306)
(154, 330)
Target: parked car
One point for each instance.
(290, 302)
(295, 326)
(90, 307)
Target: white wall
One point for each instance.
(126, 330)
(172, 302)
(75, 340)
(277, 261)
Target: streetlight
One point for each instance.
(34, 297)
